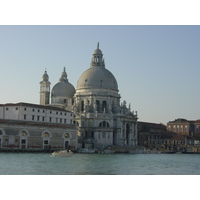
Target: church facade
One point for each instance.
(101, 119)
(90, 116)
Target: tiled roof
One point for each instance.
(152, 125)
(29, 123)
(35, 106)
(180, 120)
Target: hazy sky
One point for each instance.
(157, 67)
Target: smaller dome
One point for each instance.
(63, 89)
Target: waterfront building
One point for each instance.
(179, 135)
(146, 130)
(36, 127)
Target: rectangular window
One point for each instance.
(92, 134)
(38, 110)
(60, 120)
(43, 119)
(49, 119)
(70, 121)
(50, 112)
(16, 108)
(33, 110)
(24, 116)
(43, 111)
(65, 121)
(46, 142)
(38, 118)
(24, 108)
(33, 117)
(23, 141)
(56, 113)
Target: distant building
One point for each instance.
(179, 135)
(149, 134)
(184, 127)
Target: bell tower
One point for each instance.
(45, 89)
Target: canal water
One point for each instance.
(99, 164)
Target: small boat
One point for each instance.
(63, 153)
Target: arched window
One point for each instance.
(66, 135)
(104, 104)
(104, 124)
(82, 105)
(46, 134)
(23, 133)
(46, 140)
(98, 105)
(23, 139)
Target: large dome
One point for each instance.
(97, 76)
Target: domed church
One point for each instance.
(102, 120)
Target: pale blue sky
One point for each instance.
(157, 67)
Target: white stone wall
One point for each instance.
(1, 112)
(36, 114)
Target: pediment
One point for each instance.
(130, 115)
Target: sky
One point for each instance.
(157, 67)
